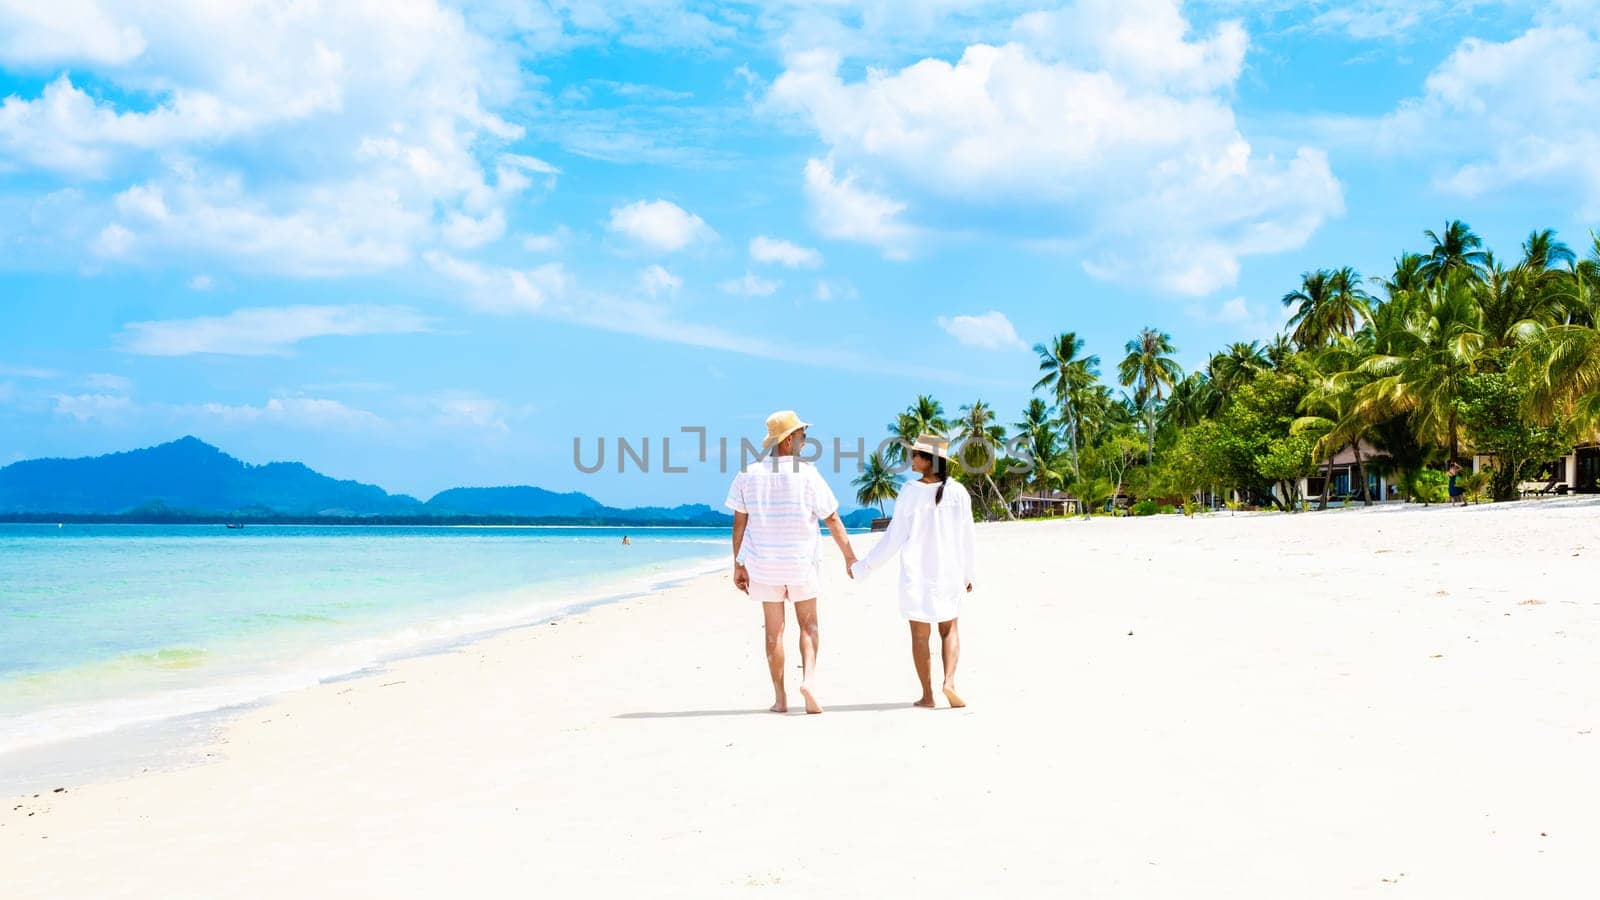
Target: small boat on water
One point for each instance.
(234, 526)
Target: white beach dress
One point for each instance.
(937, 546)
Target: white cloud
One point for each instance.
(549, 242)
(827, 291)
(500, 289)
(369, 129)
(1243, 319)
(764, 249)
(28, 371)
(659, 225)
(64, 31)
(1498, 114)
(1235, 310)
(299, 412)
(842, 210)
(202, 282)
(93, 407)
(455, 409)
(990, 331)
(657, 281)
(751, 285)
(1123, 131)
(1144, 42)
(465, 232)
(264, 330)
(103, 381)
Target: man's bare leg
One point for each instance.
(919, 657)
(950, 653)
(773, 613)
(805, 615)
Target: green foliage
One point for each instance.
(1426, 486)
(1490, 409)
(1476, 484)
(1144, 508)
(876, 485)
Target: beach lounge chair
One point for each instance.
(1533, 489)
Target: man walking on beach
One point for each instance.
(777, 501)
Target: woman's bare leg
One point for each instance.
(919, 656)
(773, 614)
(950, 653)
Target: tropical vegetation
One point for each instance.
(1456, 355)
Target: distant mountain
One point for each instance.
(532, 502)
(861, 518)
(188, 479)
(511, 501)
(189, 475)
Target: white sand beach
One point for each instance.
(1389, 702)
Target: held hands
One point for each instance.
(969, 587)
(741, 578)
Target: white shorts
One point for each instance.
(777, 593)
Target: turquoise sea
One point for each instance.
(103, 626)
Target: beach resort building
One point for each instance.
(1346, 475)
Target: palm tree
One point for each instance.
(1333, 410)
(924, 416)
(1068, 377)
(1542, 251)
(1278, 352)
(928, 411)
(977, 427)
(1407, 278)
(1040, 440)
(1150, 370)
(876, 485)
(1420, 369)
(1459, 249)
(1328, 303)
(1236, 365)
(1193, 400)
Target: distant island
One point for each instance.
(188, 481)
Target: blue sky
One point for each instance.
(428, 244)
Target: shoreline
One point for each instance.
(1395, 700)
(165, 741)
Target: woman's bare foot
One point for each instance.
(955, 699)
(780, 706)
(926, 702)
(811, 700)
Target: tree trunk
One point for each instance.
(999, 496)
(1327, 486)
(1361, 473)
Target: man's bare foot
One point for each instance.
(782, 706)
(926, 702)
(811, 700)
(955, 699)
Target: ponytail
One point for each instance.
(942, 466)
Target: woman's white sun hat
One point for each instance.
(780, 425)
(933, 445)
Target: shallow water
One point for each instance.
(103, 626)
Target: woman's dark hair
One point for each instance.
(941, 468)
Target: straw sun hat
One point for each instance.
(780, 425)
(932, 444)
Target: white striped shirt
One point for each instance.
(785, 499)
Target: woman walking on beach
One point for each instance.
(932, 530)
